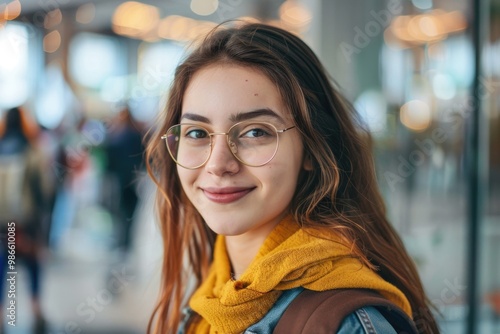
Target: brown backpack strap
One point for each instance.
(323, 312)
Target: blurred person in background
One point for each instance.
(124, 155)
(25, 194)
(72, 164)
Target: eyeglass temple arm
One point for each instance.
(281, 131)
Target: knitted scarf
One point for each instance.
(289, 257)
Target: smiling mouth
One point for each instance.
(226, 195)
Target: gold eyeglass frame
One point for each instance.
(228, 141)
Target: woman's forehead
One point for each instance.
(232, 92)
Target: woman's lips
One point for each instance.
(226, 195)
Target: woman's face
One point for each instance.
(235, 199)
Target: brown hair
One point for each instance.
(340, 192)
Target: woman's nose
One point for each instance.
(221, 160)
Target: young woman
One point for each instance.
(266, 189)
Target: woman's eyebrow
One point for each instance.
(195, 117)
(243, 116)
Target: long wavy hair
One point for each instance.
(340, 192)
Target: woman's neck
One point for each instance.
(243, 248)
(241, 251)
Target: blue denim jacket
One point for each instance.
(367, 320)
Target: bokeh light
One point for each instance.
(416, 115)
(204, 7)
(85, 13)
(52, 41)
(135, 19)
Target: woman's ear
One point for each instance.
(307, 164)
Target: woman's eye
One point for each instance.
(253, 133)
(196, 133)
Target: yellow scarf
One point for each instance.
(290, 257)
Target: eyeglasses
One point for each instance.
(252, 143)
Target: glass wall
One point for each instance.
(409, 69)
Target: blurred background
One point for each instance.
(89, 77)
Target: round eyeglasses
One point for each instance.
(252, 143)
